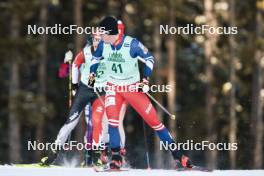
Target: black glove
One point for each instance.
(74, 88)
(91, 79)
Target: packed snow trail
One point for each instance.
(17, 171)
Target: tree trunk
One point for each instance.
(42, 73)
(171, 46)
(158, 80)
(209, 46)
(257, 103)
(78, 21)
(13, 122)
(78, 47)
(232, 103)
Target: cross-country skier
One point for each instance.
(84, 94)
(99, 119)
(100, 116)
(77, 67)
(121, 58)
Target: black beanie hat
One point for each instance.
(109, 24)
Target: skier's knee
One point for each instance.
(113, 123)
(158, 127)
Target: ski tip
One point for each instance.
(107, 169)
(195, 168)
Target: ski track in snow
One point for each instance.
(17, 171)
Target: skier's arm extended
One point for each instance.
(139, 50)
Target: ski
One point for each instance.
(111, 170)
(106, 168)
(36, 165)
(195, 168)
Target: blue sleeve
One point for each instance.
(96, 57)
(137, 49)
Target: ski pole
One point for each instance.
(70, 84)
(172, 116)
(146, 144)
(68, 59)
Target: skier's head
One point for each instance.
(96, 39)
(110, 33)
(93, 40)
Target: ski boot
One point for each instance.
(87, 158)
(49, 159)
(116, 161)
(184, 163)
(125, 163)
(105, 155)
(97, 162)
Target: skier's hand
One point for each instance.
(91, 79)
(74, 88)
(144, 85)
(68, 56)
(145, 81)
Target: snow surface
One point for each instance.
(17, 171)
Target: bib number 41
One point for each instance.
(117, 68)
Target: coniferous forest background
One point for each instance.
(217, 80)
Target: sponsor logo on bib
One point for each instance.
(116, 57)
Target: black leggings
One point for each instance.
(83, 96)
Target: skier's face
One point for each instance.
(96, 41)
(108, 39)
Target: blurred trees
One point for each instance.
(171, 66)
(217, 81)
(42, 72)
(171, 47)
(232, 78)
(210, 50)
(14, 91)
(257, 89)
(78, 44)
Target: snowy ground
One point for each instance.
(16, 171)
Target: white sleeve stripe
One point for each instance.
(94, 61)
(96, 58)
(75, 74)
(141, 60)
(149, 58)
(149, 64)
